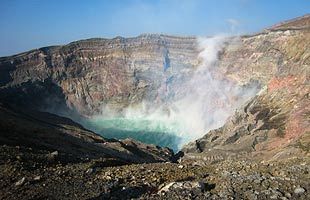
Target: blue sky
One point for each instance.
(28, 24)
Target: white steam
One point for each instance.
(202, 103)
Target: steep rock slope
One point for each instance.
(275, 123)
(84, 75)
(70, 142)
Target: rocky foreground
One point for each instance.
(29, 174)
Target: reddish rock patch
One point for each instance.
(277, 83)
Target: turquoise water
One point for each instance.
(158, 132)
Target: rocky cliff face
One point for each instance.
(86, 74)
(274, 124)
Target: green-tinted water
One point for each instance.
(158, 132)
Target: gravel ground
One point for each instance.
(28, 174)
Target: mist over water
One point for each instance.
(200, 103)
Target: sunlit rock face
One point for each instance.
(274, 124)
(96, 72)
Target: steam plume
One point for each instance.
(202, 102)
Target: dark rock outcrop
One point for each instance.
(69, 141)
